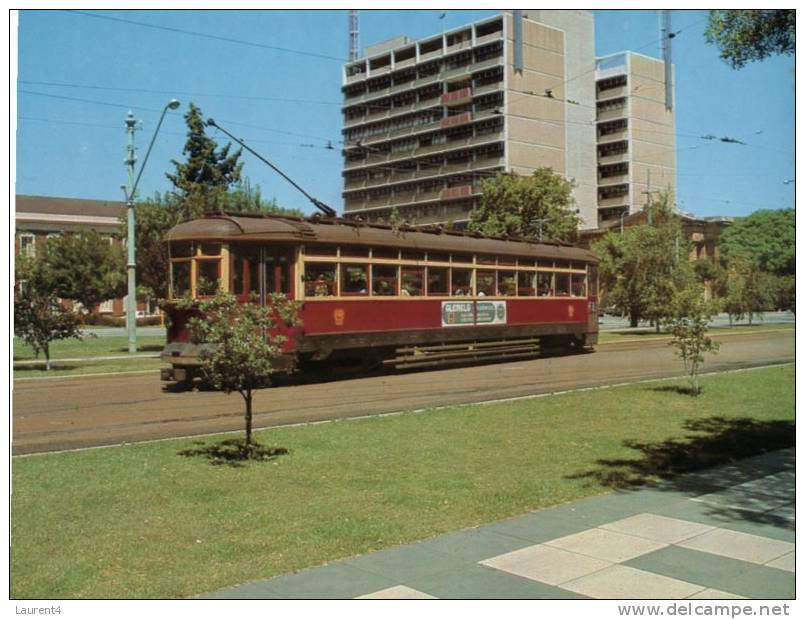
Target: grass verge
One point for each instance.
(650, 334)
(157, 520)
(82, 368)
(101, 346)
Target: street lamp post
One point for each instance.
(130, 191)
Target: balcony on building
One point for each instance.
(614, 174)
(611, 88)
(613, 196)
(489, 31)
(613, 131)
(608, 214)
(610, 109)
(614, 152)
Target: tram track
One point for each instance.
(83, 412)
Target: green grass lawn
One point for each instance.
(649, 333)
(145, 521)
(102, 346)
(88, 350)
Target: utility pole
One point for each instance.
(648, 193)
(131, 297)
(353, 35)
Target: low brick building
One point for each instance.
(38, 217)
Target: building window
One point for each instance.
(27, 245)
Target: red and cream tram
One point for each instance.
(413, 297)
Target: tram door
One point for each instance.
(277, 263)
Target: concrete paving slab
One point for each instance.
(606, 545)
(404, 563)
(743, 499)
(715, 594)
(546, 564)
(478, 582)
(627, 583)
(737, 545)
(717, 572)
(657, 528)
(400, 592)
(473, 545)
(786, 562)
(338, 581)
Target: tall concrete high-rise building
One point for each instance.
(426, 121)
(636, 143)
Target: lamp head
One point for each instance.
(211, 122)
(173, 104)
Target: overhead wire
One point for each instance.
(205, 35)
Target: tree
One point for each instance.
(747, 35)
(245, 344)
(85, 267)
(208, 172)
(767, 238)
(539, 206)
(39, 316)
(644, 269)
(689, 317)
(748, 291)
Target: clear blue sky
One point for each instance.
(88, 72)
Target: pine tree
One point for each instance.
(204, 178)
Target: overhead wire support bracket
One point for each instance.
(327, 210)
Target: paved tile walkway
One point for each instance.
(724, 533)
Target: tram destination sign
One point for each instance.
(467, 313)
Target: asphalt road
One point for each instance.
(59, 414)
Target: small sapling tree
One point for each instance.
(39, 316)
(688, 325)
(244, 345)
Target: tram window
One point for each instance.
(465, 258)
(563, 284)
(544, 284)
(437, 281)
(577, 285)
(320, 250)
(508, 261)
(181, 249)
(562, 264)
(355, 252)
(319, 280)
(412, 280)
(181, 279)
(507, 283)
(486, 259)
(354, 279)
(438, 257)
(461, 282)
(525, 283)
(384, 280)
(210, 249)
(485, 283)
(593, 281)
(386, 254)
(526, 262)
(254, 275)
(207, 277)
(413, 255)
(238, 281)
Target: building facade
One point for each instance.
(636, 146)
(426, 121)
(38, 217)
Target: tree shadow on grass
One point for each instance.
(671, 465)
(711, 442)
(678, 389)
(233, 452)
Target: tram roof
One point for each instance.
(320, 230)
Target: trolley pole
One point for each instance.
(131, 297)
